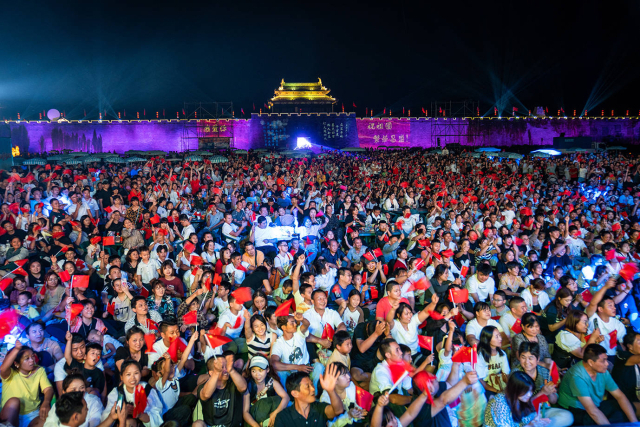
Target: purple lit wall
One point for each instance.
(335, 130)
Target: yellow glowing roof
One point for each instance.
(302, 91)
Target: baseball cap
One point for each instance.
(259, 361)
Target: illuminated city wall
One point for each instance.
(334, 130)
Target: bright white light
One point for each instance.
(548, 151)
(588, 272)
(302, 142)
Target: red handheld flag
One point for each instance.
(111, 308)
(150, 340)
(628, 271)
(154, 219)
(377, 252)
(108, 241)
(217, 279)
(398, 369)
(190, 318)
(538, 401)
(464, 271)
(435, 315)
(8, 320)
(217, 340)
(189, 247)
(364, 399)
(64, 276)
(43, 290)
(79, 281)
(555, 375)
(586, 296)
(196, 260)
(517, 327)
(21, 262)
(73, 311)
(175, 346)
(140, 401)
(459, 295)
(242, 295)
(422, 380)
(151, 325)
(421, 284)
(465, 355)
(283, 309)
(95, 240)
(328, 332)
(4, 283)
(425, 342)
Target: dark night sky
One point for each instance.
(154, 55)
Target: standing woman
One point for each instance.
(22, 383)
(493, 365)
(513, 407)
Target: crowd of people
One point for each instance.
(388, 288)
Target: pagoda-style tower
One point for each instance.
(302, 98)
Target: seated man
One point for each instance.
(582, 391)
(381, 376)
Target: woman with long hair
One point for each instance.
(571, 342)
(133, 349)
(23, 381)
(554, 316)
(493, 365)
(224, 259)
(514, 407)
(132, 259)
(529, 363)
(404, 325)
(259, 339)
(174, 286)
(265, 396)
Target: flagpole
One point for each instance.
(397, 383)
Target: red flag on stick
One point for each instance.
(398, 369)
(79, 281)
(175, 346)
(328, 332)
(217, 340)
(8, 320)
(242, 295)
(283, 309)
(425, 342)
(4, 283)
(190, 318)
(465, 355)
(422, 380)
(73, 311)
(364, 399)
(150, 340)
(139, 401)
(459, 295)
(517, 327)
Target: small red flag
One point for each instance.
(613, 339)
(242, 295)
(555, 375)
(364, 399)
(151, 325)
(73, 311)
(459, 295)
(154, 219)
(175, 346)
(190, 318)
(435, 315)
(43, 290)
(328, 332)
(108, 241)
(189, 247)
(111, 308)
(538, 401)
(79, 281)
(217, 340)
(283, 309)
(421, 284)
(95, 240)
(465, 355)
(464, 271)
(8, 320)
(425, 342)
(64, 276)
(422, 380)
(398, 369)
(140, 401)
(586, 296)
(4, 283)
(377, 252)
(517, 327)
(150, 340)
(196, 260)
(628, 271)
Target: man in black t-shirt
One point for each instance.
(103, 195)
(305, 411)
(221, 399)
(366, 341)
(11, 232)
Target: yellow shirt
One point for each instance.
(336, 356)
(25, 388)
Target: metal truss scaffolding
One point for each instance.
(201, 115)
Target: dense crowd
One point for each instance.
(389, 288)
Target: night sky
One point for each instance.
(95, 56)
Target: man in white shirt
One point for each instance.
(483, 318)
(602, 315)
(481, 286)
(381, 375)
(263, 237)
(91, 203)
(517, 309)
(187, 228)
(78, 208)
(230, 230)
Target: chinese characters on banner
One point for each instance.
(333, 130)
(388, 132)
(217, 127)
